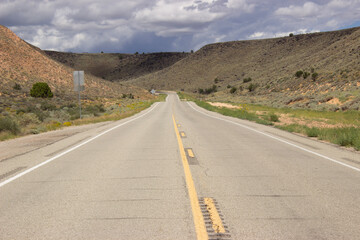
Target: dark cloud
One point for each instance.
(167, 25)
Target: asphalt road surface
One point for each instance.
(176, 171)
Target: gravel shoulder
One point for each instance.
(19, 146)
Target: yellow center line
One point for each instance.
(200, 228)
(214, 216)
(190, 153)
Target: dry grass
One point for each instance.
(47, 115)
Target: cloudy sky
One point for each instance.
(130, 26)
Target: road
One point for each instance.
(176, 171)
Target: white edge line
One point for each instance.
(71, 149)
(279, 139)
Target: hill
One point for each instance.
(263, 71)
(117, 66)
(24, 64)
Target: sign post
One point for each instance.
(79, 85)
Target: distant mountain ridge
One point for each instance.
(271, 64)
(258, 71)
(118, 66)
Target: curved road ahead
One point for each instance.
(176, 171)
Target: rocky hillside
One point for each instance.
(23, 64)
(264, 71)
(117, 66)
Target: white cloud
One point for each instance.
(341, 3)
(259, 35)
(241, 4)
(50, 38)
(169, 25)
(23, 12)
(332, 23)
(309, 9)
(328, 16)
(171, 18)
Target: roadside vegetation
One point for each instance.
(341, 128)
(37, 115)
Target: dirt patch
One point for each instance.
(286, 119)
(20, 146)
(334, 101)
(226, 105)
(260, 113)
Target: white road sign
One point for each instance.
(79, 82)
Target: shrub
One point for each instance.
(211, 89)
(274, 118)
(127, 96)
(47, 106)
(299, 73)
(41, 115)
(67, 124)
(70, 105)
(74, 115)
(247, 80)
(28, 118)
(94, 109)
(53, 125)
(314, 76)
(17, 86)
(208, 90)
(216, 80)
(7, 124)
(41, 89)
(306, 74)
(252, 87)
(233, 90)
(20, 111)
(228, 86)
(291, 35)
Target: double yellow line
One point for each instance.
(200, 228)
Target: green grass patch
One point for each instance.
(348, 137)
(238, 113)
(312, 132)
(343, 136)
(341, 117)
